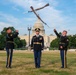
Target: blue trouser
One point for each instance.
(37, 58)
(9, 57)
(63, 58)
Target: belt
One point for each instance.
(10, 41)
(61, 43)
(36, 43)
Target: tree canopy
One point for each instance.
(72, 42)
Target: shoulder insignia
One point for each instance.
(11, 35)
(67, 40)
(34, 37)
(40, 38)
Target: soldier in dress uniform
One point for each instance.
(37, 44)
(10, 46)
(63, 44)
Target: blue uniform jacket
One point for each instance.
(10, 40)
(64, 41)
(37, 43)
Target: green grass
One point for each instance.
(23, 64)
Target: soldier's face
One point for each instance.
(37, 32)
(64, 33)
(9, 31)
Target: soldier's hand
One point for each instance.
(31, 48)
(16, 30)
(54, 30)
(42, 48)
(61, 47)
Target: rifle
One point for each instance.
(40, 7)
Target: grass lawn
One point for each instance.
(23, 64)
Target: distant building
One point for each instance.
(47, 39)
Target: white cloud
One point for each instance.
(50, 14)
(36, 3)
(29, 19)
(22, 30)
(75, 1)
(3, 24)
(9, 18)
(15, 8)
(53, 17)
(21, 24)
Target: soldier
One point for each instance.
(63, 43)
(37, 44)
(10, 45)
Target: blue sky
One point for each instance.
(61, 14)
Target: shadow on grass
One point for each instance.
(52, 62)
(22, 64)
(72, 62)
(54, 72)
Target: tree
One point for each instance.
(2, 42)
(3, 32)
(54, 43)
(17, 41)
(23, 42)
(72, 42)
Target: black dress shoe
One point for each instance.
(7, 67)
(35, 66)
(10, 67)
(38, 67)
(62, 67)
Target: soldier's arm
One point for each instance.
(32, 43)
(42, 43)
(55, 31)
(67, 42)
(15, 34)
